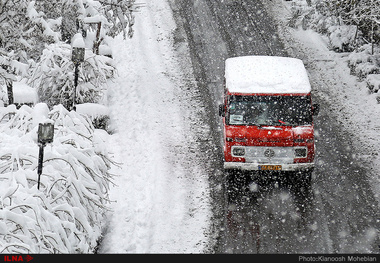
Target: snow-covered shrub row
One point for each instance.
(34, 31)
(347, 23)
(53, 76)
(363, 63)
(65, 215)
(317, 16)
(351, 27)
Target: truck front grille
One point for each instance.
(272, 155)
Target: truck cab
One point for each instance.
(268, 115)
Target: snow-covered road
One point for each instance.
(342, 213)
(161, 201)
(169, 194)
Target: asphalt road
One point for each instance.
(339, 215)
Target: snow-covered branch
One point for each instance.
(53, 76)
(66, 215)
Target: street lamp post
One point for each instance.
(45, 135)
(77, 56)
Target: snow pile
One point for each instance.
(161, 203)
(373, 82)
(66, 215)
(342, 37)
(24, 94)
(262, 74)
(92, 110)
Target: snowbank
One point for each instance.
(353, 106)
(93, 110)
(162, 198)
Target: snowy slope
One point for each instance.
(356, 109)
(162, 202)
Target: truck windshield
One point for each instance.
(269, 110)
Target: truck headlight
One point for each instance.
(238, 151)
(300, 152)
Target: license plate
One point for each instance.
(270, 167)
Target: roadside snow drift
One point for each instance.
(161, 201)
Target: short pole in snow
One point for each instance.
(77, 56)
(76, 73)
(40, 161)
(45, 135)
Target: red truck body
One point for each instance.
(268, 115)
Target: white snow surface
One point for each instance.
(78, 41)
(93, 110)
(162, 197)
(23, 93)
(266, 74)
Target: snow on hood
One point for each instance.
(266, 74)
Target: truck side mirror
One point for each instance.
(221, 110)
(315, 109)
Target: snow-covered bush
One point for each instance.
(53, 76)
(319, 17)
(347, 23)
(66, 215)
(351, 26)
(373, 82)
(98, 114)
(362, 62)
(27, 27)
(343, 38)
(364, 14)
(119, 14)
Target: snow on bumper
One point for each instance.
(256, 166)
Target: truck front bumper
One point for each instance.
(258, 167)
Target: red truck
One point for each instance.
(268, 116)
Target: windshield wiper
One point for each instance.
(284, 122)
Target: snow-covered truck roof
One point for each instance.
(266, 75)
